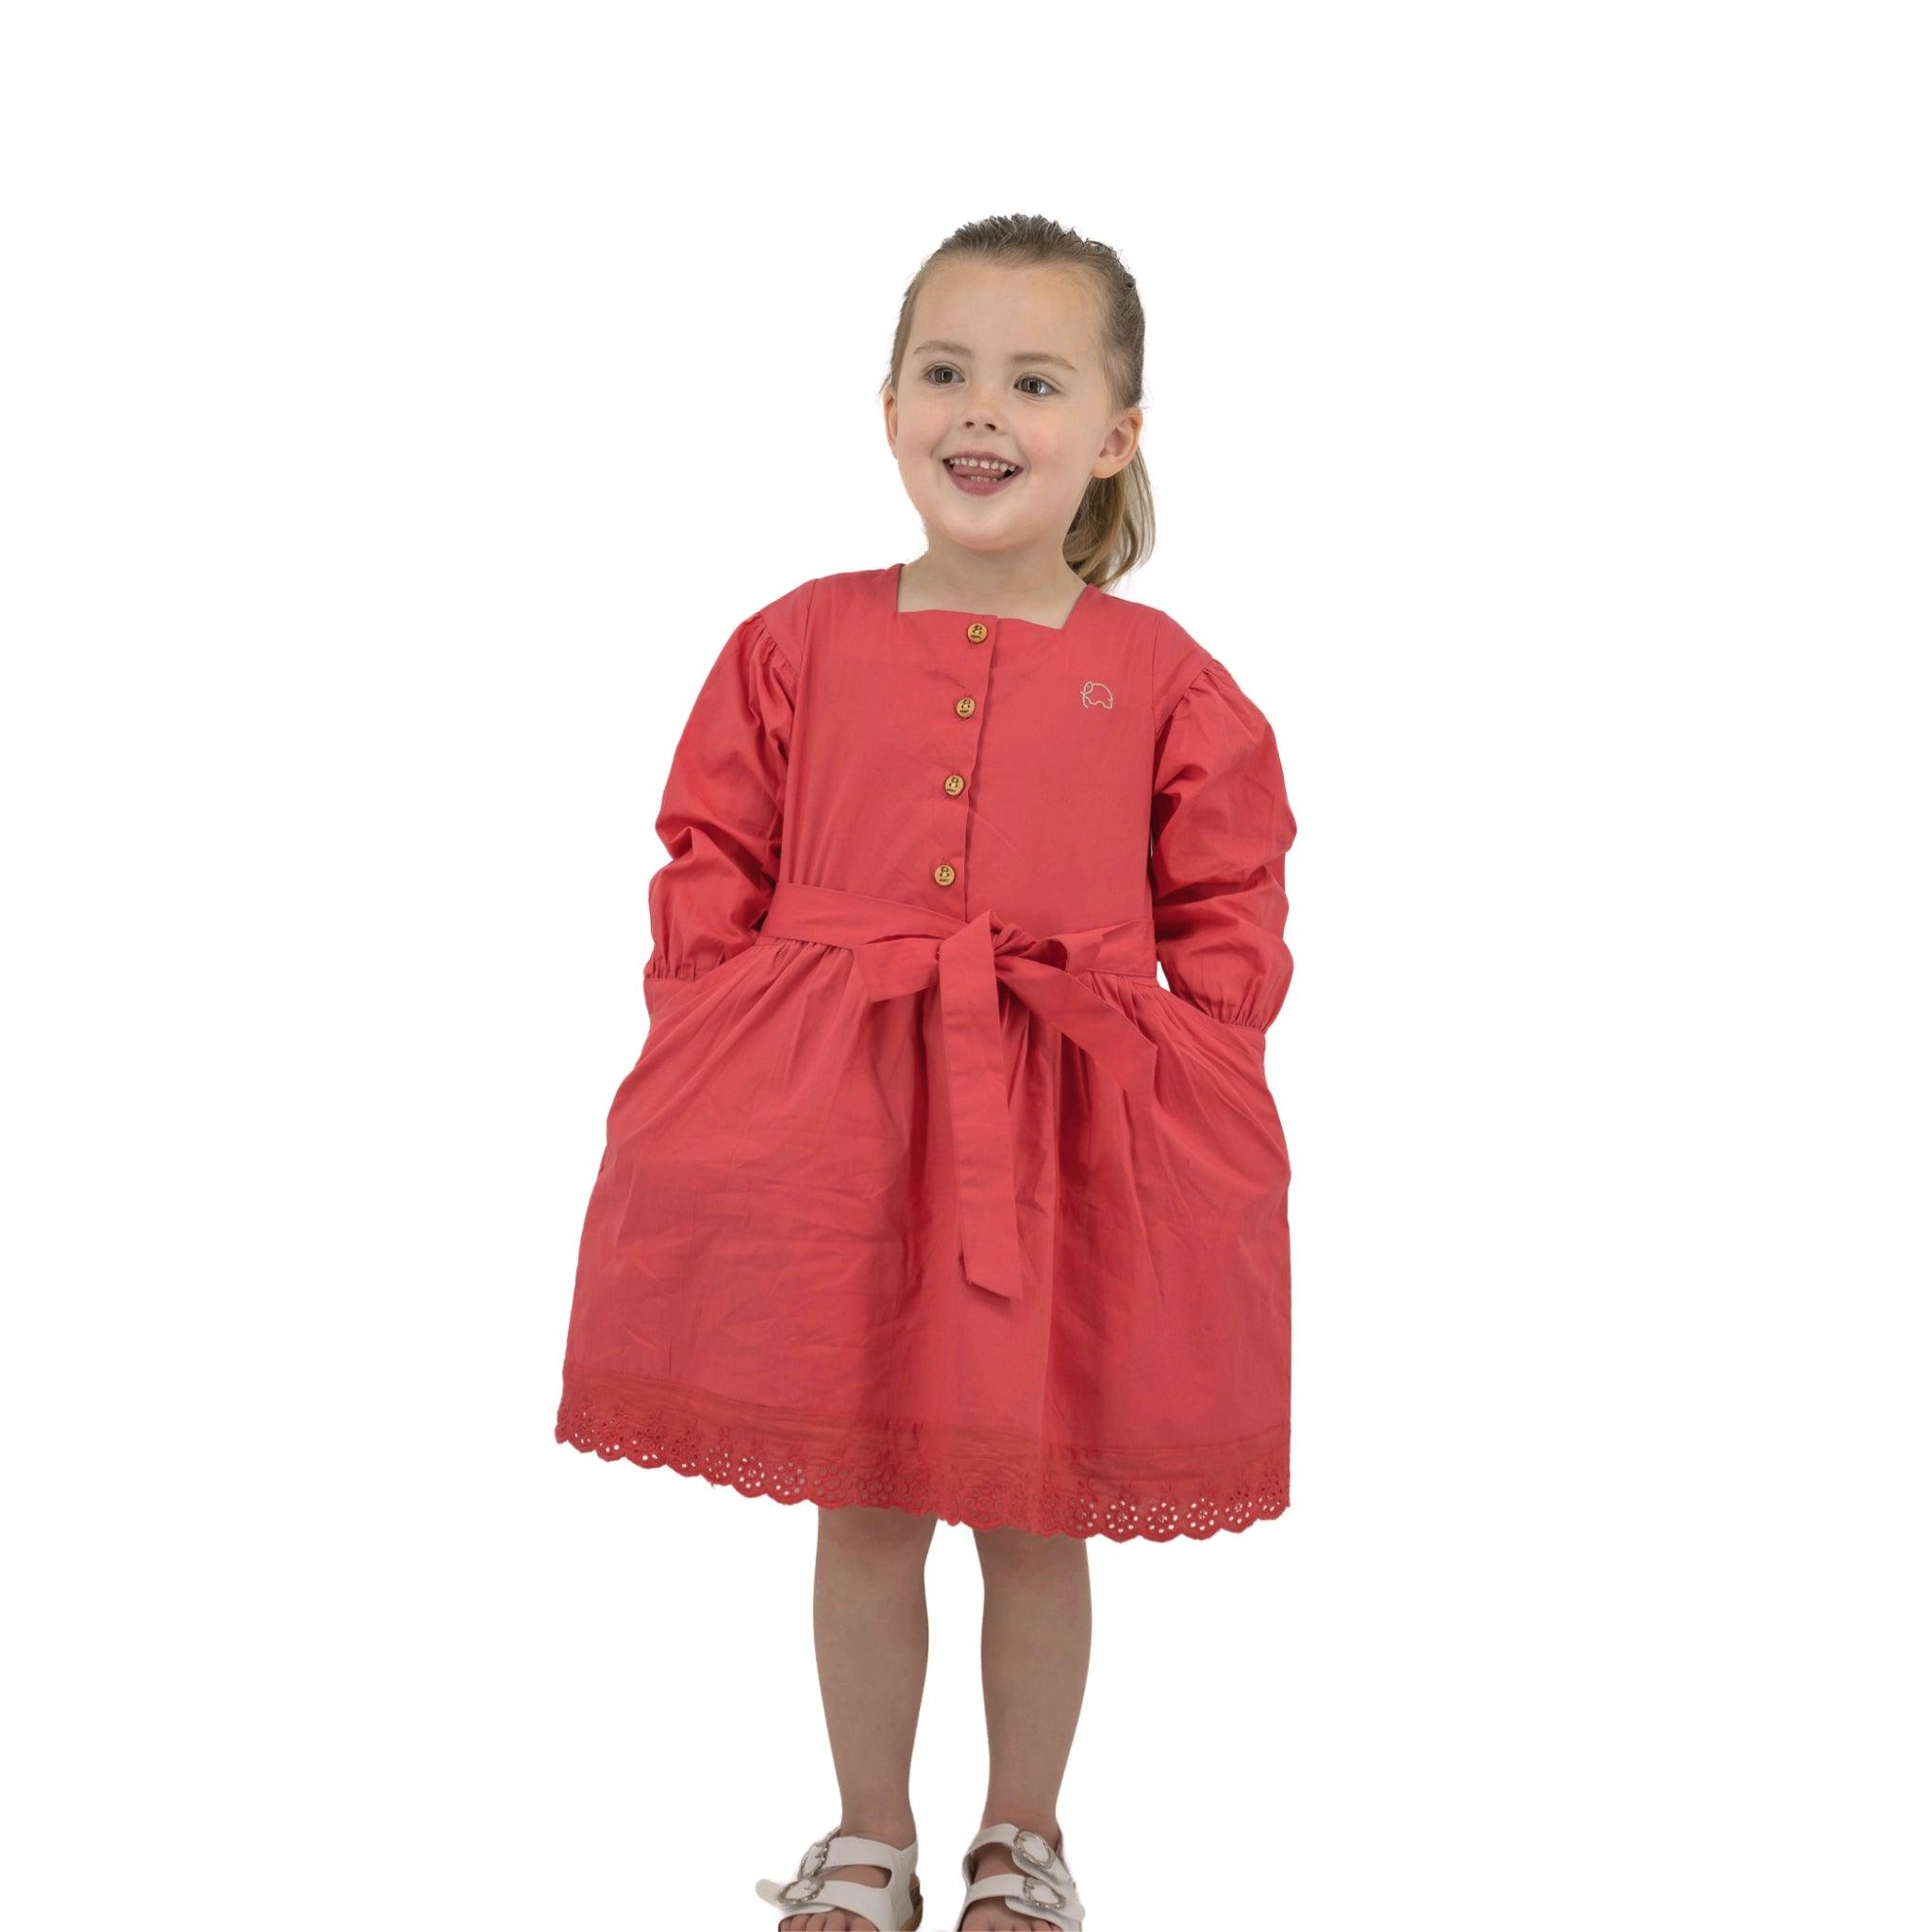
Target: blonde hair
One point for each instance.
(1112, 531)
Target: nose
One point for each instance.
(980, 413)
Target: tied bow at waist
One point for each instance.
(903, 949)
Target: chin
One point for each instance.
(987, 536)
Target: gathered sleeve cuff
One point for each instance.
(1220, 833)
(722, 816)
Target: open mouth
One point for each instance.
(979, 477)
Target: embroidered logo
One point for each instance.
(1094, 692)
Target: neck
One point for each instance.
(1009, 587)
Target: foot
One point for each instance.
(996, 1915)
(838, 1920)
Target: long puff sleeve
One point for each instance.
(722, 816)
(1221, 829)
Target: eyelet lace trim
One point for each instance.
(661, 1433)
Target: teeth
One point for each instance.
(991, 468)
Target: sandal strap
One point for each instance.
(809, 1891)
(1028, 1894)
(1043, 1887)
(874, 1902)
(1030, 1852)
(900, 1861)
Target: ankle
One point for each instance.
(897, 1832)
(1023, 1818)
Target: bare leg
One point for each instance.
(869, 1623)
(1034, 1641)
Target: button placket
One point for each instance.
(966, 706)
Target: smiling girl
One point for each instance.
(926, 1200)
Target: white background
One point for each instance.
(402, 403)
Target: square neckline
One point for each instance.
(1087, 595)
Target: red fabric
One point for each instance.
(927, 1195)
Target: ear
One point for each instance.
(1123, 439)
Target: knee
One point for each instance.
(861, 1526)
(1009, 1548)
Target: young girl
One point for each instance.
(926, 1200)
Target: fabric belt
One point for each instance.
(903, 949)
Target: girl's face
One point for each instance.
(1006, 363)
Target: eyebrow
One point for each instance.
(1020, 356)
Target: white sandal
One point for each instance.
(1044, 1887)
(894, 1907)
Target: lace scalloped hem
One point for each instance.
(669, 1430)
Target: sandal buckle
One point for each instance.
(1037, 1891)
(801, 1889)
(1024, 1844)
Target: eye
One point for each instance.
(1046, 388)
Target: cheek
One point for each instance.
(1054, 458)
(920, 428)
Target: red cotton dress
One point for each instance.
(924, 1192)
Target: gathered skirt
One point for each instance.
(770, 1287)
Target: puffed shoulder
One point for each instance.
(1211, 702)
(1178, 661)
(786, 620)
(763, 658)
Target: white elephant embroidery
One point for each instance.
(1094, 692)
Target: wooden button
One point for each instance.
(955, 784)
(944, 874)
(964, 707)
(975, 632)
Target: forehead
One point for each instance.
(995, 311)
